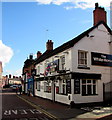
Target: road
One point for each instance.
(13, 108)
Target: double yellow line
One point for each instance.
(38, 108)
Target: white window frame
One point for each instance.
(62, 59)
(86, 85)
(38, 85)
(46, 87)
(82, 58)
(38, 69)
(62, 84)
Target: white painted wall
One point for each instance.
(98, 43)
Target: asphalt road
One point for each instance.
(13, 108)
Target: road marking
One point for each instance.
(37, 107)
(15, 112)
(39, 118)
(22, 112)
(7, 112)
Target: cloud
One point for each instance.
(6, 53)
(77, 3)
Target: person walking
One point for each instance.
(17, 89)
(20, 90)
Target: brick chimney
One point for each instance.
(9, 75)
(49, 45)
(39, 54)
(99, 14)
(31, 56)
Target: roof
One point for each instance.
(69, 44)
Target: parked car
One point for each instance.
(13, 87)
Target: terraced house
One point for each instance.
(77, 71)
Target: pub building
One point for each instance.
(76, 71)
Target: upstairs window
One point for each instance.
(38, 70)
(62, 62)
(82, 58)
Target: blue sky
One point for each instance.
(25, 25)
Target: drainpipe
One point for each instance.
(111, 50)
(110, 71)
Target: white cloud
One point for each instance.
(77, 3)
(6, 53)
(44, 1)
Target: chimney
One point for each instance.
(30, 56)
(9, 75)
(49, 45)
(38, 54)
(99, 14)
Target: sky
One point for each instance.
(27, 25)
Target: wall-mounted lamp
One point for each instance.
(90, 35)
(56, 56)
(66, 52)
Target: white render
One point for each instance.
(98, 43)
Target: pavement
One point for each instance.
(58, 111)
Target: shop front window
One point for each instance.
(47, 87)
(62, 87)
(89, 87)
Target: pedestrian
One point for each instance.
(16, 89)
(20, 89)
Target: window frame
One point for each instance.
(82, 61)
(62, 60)
(38, 85)
(88, 85)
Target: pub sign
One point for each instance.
(101, 59)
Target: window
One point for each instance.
(62, 87)
(38, 86)
(38, 69)
(82, 58)
(89, 87)
(47, 87)
(62, 62)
